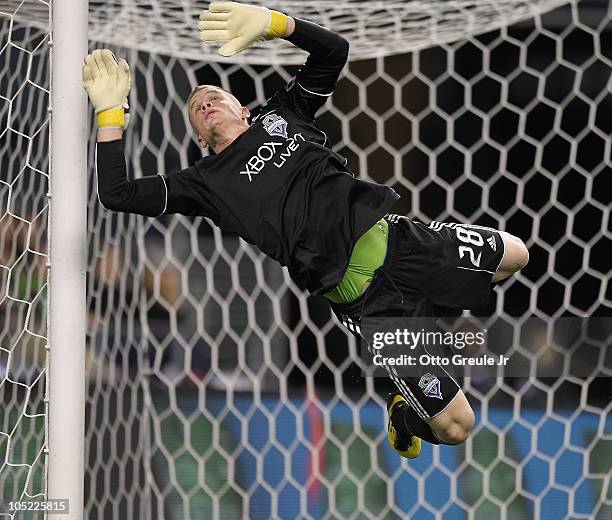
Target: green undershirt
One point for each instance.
(367, 256)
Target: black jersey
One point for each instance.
(278, 185)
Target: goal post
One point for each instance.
(214, 387)
(67, 265)
(43, 257)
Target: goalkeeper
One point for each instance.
(273, 181)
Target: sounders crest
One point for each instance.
(430, 385)
(275, 125)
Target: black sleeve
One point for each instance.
(152, 195)
(187, 195)
(317, 78)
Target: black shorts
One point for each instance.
(427, 268)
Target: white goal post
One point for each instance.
(67, 259)
(44, 259)
(214, 387)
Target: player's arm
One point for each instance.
(107, 82)
(153, 195)
(240, 25)
(117, 192)
(328, 53)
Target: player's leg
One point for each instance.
(472, 259)
(435, 410)
(454, 424)
(459, 264)
(415, 274)
(418, 401)
(460, 277)
(515, 256)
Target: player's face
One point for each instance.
(213, 112)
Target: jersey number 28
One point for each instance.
(469, 236)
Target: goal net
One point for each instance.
(216, 388)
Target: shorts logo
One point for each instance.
(275, 125)
(491, 241)
(430, 385)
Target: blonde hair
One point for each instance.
(210, 87)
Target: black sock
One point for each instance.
(415, 424)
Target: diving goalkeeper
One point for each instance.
(273, 181)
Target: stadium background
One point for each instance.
(186, 392)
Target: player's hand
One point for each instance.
(239, 25)
(107, 82)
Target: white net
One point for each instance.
(375, 28)
(24, 164)
(217, 388)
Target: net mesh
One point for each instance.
(375, 28)
(24, 164)
(216, 387)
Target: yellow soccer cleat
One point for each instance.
(406, 444)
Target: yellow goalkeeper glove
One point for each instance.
(239, 25)
(107, 82)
